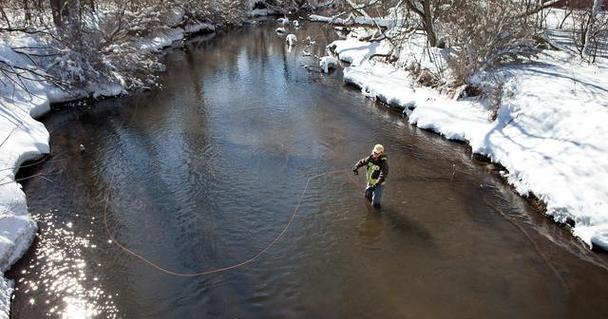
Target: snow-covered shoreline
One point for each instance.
(553, 144)
(23, 139)
(548, 131)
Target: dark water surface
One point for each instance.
(207, 171)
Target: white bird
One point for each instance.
(284, 20)
(296, 23)
(280, 30)
(82, 149)
(291, 39)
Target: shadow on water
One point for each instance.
(407, 228)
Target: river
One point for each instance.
(207, 171)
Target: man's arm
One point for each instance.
(383, 171)
(361, 162)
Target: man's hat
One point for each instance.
(378, 148)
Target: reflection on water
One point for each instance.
(60, 270)
(207, 171)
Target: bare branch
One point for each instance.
(544, 4)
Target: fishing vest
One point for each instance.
(373, 170)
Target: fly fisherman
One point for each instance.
(376, 173)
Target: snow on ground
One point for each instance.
(259, 13)
(328, 62)
(389, 21)
(291, 39)
(553, 139)
(458, 120)
(355, 52)
(549, 132)
(200, 27)
(259, 9)
(163, 38)
(22, 138)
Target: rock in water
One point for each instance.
(291, 39)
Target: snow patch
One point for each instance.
(21, 139)
(291, 39)
(199, 27)
(327, 63)
(157, 40)
(353, 51)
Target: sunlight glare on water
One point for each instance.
(60, 269)
(78, 309)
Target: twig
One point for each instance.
(9, 134)
(24, 30)
(44, 158)
(538, 8)
(28, 177)
(5, 17)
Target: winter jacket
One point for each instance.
(376, 170)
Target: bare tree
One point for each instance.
(56, 10)
(567, 13)
(4, 16)
(535, 6)
(424, 9)
(487, 34)
(595, 9)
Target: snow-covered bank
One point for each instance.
(354, 20)
(22, 138)
(263, 13)
(161, 39)
(549, 132)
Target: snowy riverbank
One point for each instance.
(548, 132)
(22, 138)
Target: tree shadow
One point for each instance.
(547, 71)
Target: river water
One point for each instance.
(207, 172)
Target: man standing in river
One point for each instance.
(376, 173)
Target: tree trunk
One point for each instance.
(428, 23)
(5, 17)
(28, 13)
(57, 10)
(39, 11)
(590, 28)
(427, 18)
(568, 13)
(66, 13)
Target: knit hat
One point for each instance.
(378, 148)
